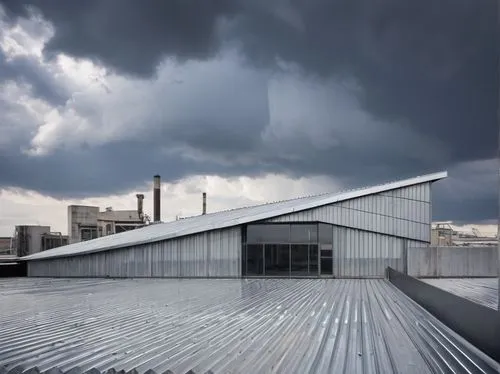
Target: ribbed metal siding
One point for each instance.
(404, 212)
(210, 254)
(362, 254)
(483, 291)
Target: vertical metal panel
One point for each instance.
(209, 254)
(452, 262)
(363, 254)
(404, 213)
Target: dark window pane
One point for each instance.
(313, 260)
(278, 233)
(255, 260)
(326, 253)
(300, 257)
(325, 233)
(277, 259)
(304, 233)
(243, 234)
(88, 234)
(326, 266)
(244, 260)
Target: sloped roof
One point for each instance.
(87, 326)
(223, 219)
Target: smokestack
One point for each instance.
(156, 198)
(204, 203)
(140, 206)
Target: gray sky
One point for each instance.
(97, 96)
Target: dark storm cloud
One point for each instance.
(28, 70)
(469, 195)
(431, 65)
(129, 36)
(110, 169)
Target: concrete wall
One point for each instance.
(5, 244)
(79, 215)
(453, 262)
(210, 254)
(34, 237)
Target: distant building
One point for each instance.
(5, 244)
(30, 239)
(443, 235)
(53, 240)
(87, 222)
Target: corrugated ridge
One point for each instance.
(75, 370)
(247, 326)
(483, 291)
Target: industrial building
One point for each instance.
(5, 244)
(27, 240)
(30, 239)
(357, 233)
(87, 222)
(443, 234)
(394, 325)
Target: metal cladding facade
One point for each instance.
(371, 229)
(373, 232)
(209, 254)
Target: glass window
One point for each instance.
(88, 234)
(313, 260)
(244, 260)
(268, 233)
(326, 252)
(255, 259)
(277, 259)
(299, 259)
(304, 233)
(286, 249)
(326, 266)
(325, 233)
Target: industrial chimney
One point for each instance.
(140, 206)
(156, 199)
(204, 211)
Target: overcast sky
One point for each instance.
(248, 100)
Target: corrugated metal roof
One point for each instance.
(223, 219)
(483, 291)
(244, 326)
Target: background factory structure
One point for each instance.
(84, 223)
(356, 233)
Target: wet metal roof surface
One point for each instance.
(480, 290)
(223, 219)
(236, 326)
